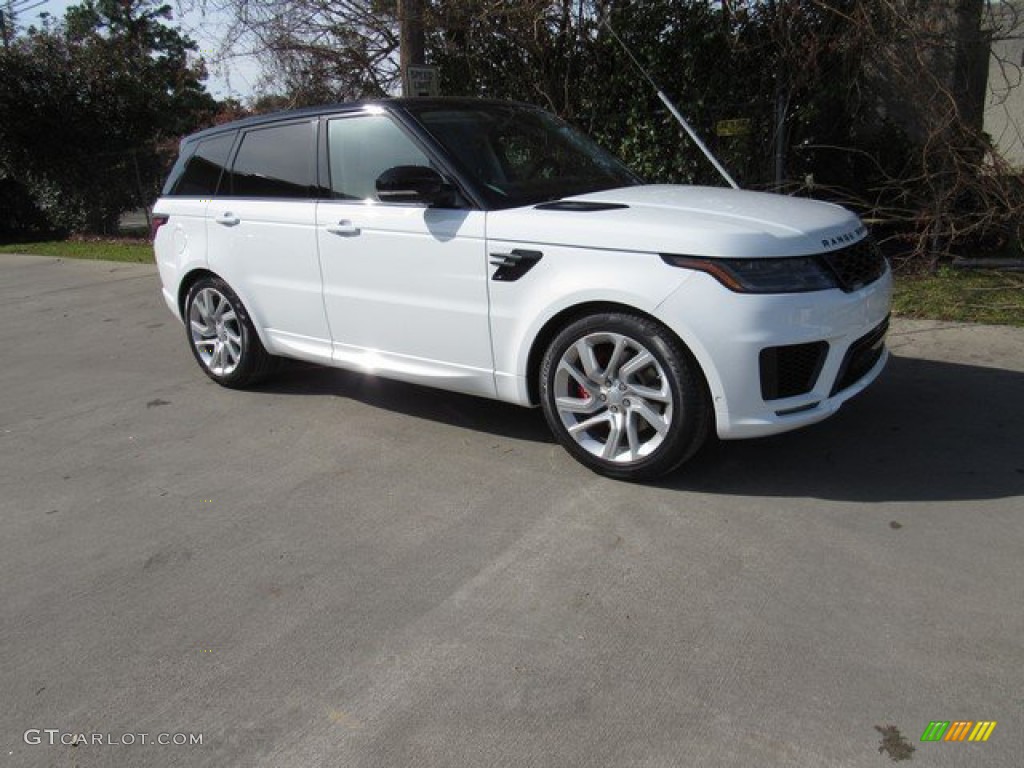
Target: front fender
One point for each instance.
(528, 311)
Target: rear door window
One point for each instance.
(275, 162)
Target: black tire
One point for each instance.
(221, 336)
(635, 385)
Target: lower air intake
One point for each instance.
(791, 370)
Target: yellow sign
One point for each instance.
(738, 127)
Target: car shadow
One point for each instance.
(437, 405)
(925, 431)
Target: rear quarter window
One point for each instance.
(198, 173)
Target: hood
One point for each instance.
(684, 220)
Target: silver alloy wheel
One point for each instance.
(613, 397)
(216, 331)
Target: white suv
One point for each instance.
(486, 247)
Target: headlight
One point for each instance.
(798, 274)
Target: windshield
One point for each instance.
(519, 155)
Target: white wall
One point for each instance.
(1004, 102)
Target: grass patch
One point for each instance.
(135, 251)
(968, 296)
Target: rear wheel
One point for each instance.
(222, 337)
(623, 396)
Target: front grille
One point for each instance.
(861, 357)
(791, 370)
(857, 265)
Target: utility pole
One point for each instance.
(3, 28)
(411, 39)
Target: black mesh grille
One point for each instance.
(791, 370)
(857, 265)
(861, 357)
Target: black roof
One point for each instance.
(348, 106)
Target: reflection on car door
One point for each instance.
(405, 286)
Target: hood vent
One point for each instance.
(579, 206)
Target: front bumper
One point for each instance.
(837, 337)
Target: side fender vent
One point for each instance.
(513, 265)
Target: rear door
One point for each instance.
(262, 236)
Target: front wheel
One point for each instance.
(623, 396)
(222, 337)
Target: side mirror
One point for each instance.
(413, 184)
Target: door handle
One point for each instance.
(343, 227)
(227, 219)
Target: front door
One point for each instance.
(405, 286)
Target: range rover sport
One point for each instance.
(488, 248)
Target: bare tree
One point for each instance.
(876, 103)
(931, 61)
(914, 76)
(316, 51)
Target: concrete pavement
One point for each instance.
(337, 571)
